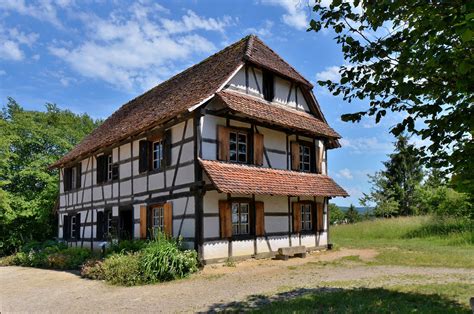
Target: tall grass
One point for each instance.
(416, 241)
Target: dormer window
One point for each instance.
(268, 85)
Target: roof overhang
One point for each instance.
(245, 179)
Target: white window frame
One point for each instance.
(158, 218)
(73, 226)
(157, 154)
(109, 167)
(108, 222)
(238, 144)
(73, 177)
(305, 166)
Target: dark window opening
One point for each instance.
(72, 177)
(305, 158)
(268, 85)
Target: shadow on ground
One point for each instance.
(336, 300)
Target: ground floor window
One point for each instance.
(240, 218)
(158, 219)
(306, 217)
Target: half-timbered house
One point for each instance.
(230, 154)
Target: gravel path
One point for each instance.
(37, 290)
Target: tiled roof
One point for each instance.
(180, 93)
(275, 114)
(244, 179)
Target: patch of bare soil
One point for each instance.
(37, 290)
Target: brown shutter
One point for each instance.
(225, 219)
(259, 219)
(319, 159)
(296, 217)
(168, 213)
(78, 226)
(295, 156)
(143, 155)
(258, 149)
(223, 142)
(143, 228)
(319, 213)
(167, 148)
(78, 175)
(67, 177)
(101, 168)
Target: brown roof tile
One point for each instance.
(244, 179)
(275, 114)
(179, 93)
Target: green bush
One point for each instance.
(93, 269)
(123, 269)
(70, 258)
(127, 246)
(163, 259)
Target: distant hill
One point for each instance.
(360, 209)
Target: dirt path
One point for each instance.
(28, 289)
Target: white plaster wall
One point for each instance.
(242, 248)
(183, 206)
(215, 249)
(183, 227)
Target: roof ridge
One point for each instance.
(250, 41)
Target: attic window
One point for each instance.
(268, 86)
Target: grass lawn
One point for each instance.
(409, 241)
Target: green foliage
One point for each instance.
(413, 57)
(70, 258)
(30, 141)
(123, 269)
(163, 260)
(127, 246)
(336, 215)
(93, 269)
(352, 215)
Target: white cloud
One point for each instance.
(330, 73)
(366, 145)
(138, 48)
(3, 72)
(296, 12)
(44, 10)
(264, 30)
(11, 41)
(344, 173)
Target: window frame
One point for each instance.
(307, 226)
(240, 131)
(73, 227)
(109, 171)
(108, 223)
(160, 217)
(250, 219)
(152, 159)
(301, 153)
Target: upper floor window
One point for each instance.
(72, 177)
(106, 169)
(157, 154)
(240, 218)
(268, 85)
(238, 146)
(305, 158)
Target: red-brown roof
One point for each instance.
(180, 93)
(244, 179)
(274, 114)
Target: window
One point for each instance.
(72, 177)
(157, 154)
(109, 167)
(240, 218)
(106, 170)
(158, 219)
(108, 222)
(74, 227)
(268, 88)
(306, 217)
(238, 146)
(305, 158)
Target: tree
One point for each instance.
(414, 57)
(336, 215)
(352, 215)
(394, 188)
(30, 141)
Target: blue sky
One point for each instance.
(93, 56)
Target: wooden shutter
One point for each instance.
(258, 149)
(296, 217)
(78, 226)
(225, 218)
(168, 218)
(101, 168)
(223, 143)
(167, 148)
(79, 175)
(67, 175)
(66, 227)
(143, 221)
(259, 219)
(143, 152)
(100, 226)
(319, 159)
(295, 156)
(320, 216)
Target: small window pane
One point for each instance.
(233, 137)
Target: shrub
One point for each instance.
(123, 269)
(70, 258)
(93, 269)
(163, 260)
(8, 260)
(127, 246)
